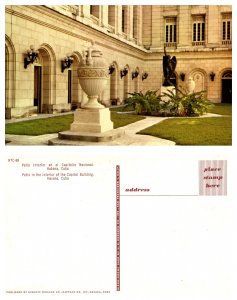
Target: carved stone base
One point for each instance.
(80, 138)
(89, 126)
(92, 121)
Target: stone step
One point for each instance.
(91, 137)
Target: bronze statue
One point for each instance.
(169, 65)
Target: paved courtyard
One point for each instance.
(129, 139)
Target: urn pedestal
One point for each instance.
(93, 76)
(92, 122)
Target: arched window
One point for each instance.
(226, 90)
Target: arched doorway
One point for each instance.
(114, 84)
(6, 77)
(10, 61)
(42, 82)
(136, 80)
(123, 83)
(126, 83)
(38, 87)
(73, 83)
(226, 91)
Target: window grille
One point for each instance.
(198, 31)
(226, 30)
(170, 32)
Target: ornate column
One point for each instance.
(130, 22)
(104, 15)
(138, 26)
(118, 19)
(85, 11)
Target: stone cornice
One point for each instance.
(189, 56)
(110, 42)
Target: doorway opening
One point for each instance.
(37, 88)
(226, 81)
(70, 86)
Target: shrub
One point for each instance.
(185, 104)
(146, 104)
(179, 103)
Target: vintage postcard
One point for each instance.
(118, 153)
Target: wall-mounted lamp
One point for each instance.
(111, 69)
(144, 75)
(31, 56)
(135, 74)
(212, 76)
(66, 62)
(123, 72)
(182, 76)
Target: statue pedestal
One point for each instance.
(92, 121)
(89, 126)
(167, 89)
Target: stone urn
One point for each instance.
(190, 85)
(93, 76)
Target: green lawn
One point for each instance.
(124, 119)
(222, 109)
(121, 108)
(183, 131)
(196, 131)
(60, 123)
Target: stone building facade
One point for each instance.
(132, 39)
